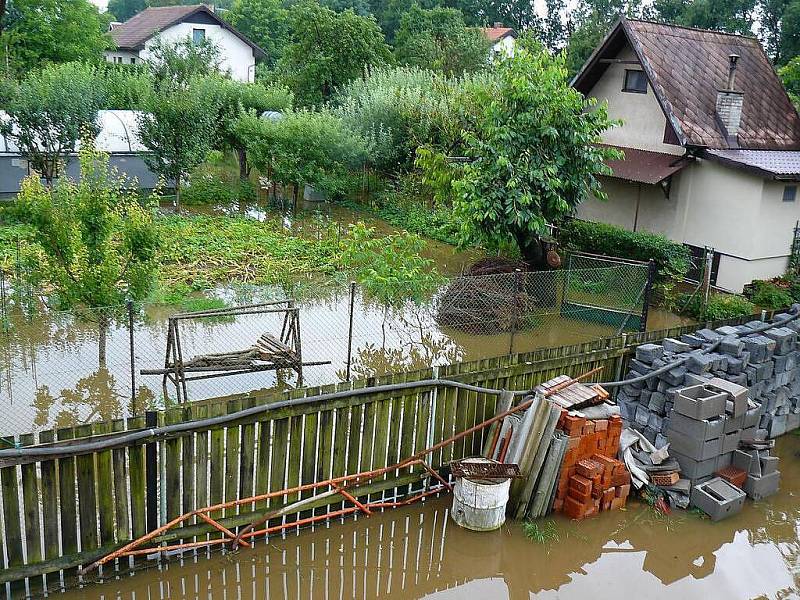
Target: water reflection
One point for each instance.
(417, 552)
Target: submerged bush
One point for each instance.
(719, 307)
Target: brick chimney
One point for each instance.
(729, 104)
(498, 24)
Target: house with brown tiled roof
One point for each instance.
(711, 145)
(134, 39)
(501, 38)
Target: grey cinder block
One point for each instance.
(761, 487)
(702, 429)
(699, 402)
(717, 498)
(694, 469)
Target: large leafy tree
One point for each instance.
(38, 32)
(49, 111)
(178, 127)
(732, 16)
(532, 156)
(328, 49)
(437, 38)
(125, 9)
(790, 33)
(266, 22)
(99, 242)
(174, 64)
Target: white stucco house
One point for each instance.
(135, 38)
(711, 143)
(502, 39)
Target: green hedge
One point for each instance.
(720, 306)
(672, 258)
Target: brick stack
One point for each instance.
(767, 364)
(591, 478)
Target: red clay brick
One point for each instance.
(580, 483)
(588, 468)
(573, 509)
(601, 425)
(623, 490)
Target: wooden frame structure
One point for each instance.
(268, 353)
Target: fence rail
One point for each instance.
(62, 512)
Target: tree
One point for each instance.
(266, 22)
(771, 30)
(790, 75)
(329, 49)
(437, 38)
(39, 32)
(177, 127)
(532, 154)
(790, 32)
(732, 16)
(99, 242)
(175, 64)
(125, 9)
(49, 111)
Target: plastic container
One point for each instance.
(480, 504)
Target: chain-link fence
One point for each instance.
(68, 368)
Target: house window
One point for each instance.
(635, 81)
(133, 60)
(198, 36)
(118, 59)
(789, 193)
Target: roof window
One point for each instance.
(635, 81)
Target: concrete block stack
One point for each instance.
(767, 364)
(762, 474)
(591, 479)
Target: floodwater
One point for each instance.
(50, 374)
(418, 552)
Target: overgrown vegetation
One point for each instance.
(719, 306)
(769, 295)
(541, 532)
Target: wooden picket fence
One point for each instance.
(69, 510)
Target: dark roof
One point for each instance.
(495, 34)
(133, 33)
(644, 166)
(777, 164)
(686, 67)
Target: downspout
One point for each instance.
(638, 201)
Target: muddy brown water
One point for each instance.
(418, 552)
(50, 375)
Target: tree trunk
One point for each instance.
(244, 167)
(530, 246)
(102, 325)
(2, 14)
(177, 195)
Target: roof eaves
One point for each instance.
(592, 60)
(752, 169)
(665, 104)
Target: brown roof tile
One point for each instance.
(497, 33)
(644, 166)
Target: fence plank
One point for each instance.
(30, 501)
(308, 472)
(217, 461)
(233, 449)
(49, 501)
(280, 451)
(105, 487)
(122, 530)
(248, 447)
(87, 494)
(263, 461)
(354, 439)
(11, 517)
(172, 467)
(137, 482)
(68, 498)
(201, 457)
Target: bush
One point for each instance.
(671, 258)
(720, 306)
(768, 295)
(209, 185)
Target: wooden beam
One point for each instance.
(618, 61)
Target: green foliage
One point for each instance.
(733, 16)
(174, 65)
(790, 75)
(514, 185)
(49, 110)
(541, 532)
(768, 295)
(125, 9)
(99, 242)
(126, 87)
(328, 49)
(178, 128)
(304, 147)
(719, 307)
(672, 259)
(390, 268)
(438, 39)
(41, 32)
(213, 185)
(265, 22)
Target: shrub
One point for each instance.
(671, 258)
(215, 186)
(720, 306)
(768, 295)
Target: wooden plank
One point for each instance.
(325, 452)
(68, 498)
(172, 468)
(449, 416)
(188, 462)
(294, 465)
(201, 459)
(341, 436)
(49, 501)
(30, 501)
(105, 487)
(233, 449)
(217, 467)
(368, 437)
(354, 439)
(12, 528)
(263, 461)
(247, 477)
(279, 455)
(438, 425)
(87, 495)
(137, 482)
(308, 470)
(380, 445)
(462, 403)
(122, 530)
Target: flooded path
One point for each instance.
(419, 553)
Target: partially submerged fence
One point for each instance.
(68, 509)
(51, 374)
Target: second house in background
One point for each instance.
(135, 37)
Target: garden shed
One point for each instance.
(118, 136)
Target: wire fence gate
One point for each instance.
(65, 369)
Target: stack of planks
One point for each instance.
(272, 349)
(267, 348)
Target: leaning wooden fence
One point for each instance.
(67, 511)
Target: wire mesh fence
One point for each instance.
(61, 369)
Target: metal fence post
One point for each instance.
(132, 355)
(350, 328)
(518, 275)
(151, 472)
(648, 290)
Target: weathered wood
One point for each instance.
(87, 494)
(68, 498)
(105, 488)
(172, 470)
(233, 448)
(217, 466)
(137, 483)
(30, 500)
(122, 529)
(247, 478)
(49, 502)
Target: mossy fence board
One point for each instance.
(67, 511)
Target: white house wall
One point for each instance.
(237, 57)
(122, 56)
(504, 46)
(643, 121)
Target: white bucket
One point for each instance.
(480, 504)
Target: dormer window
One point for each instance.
(635, 81)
